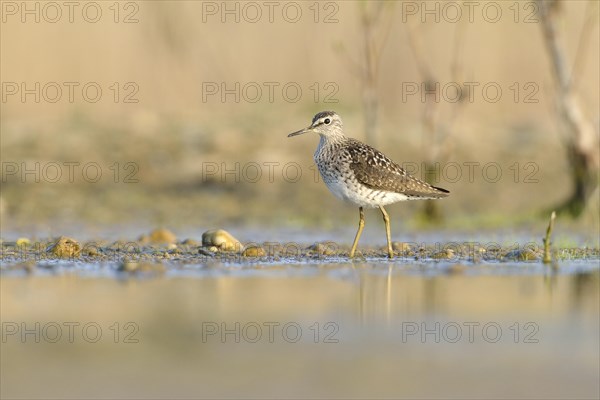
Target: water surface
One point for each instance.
(338, 329)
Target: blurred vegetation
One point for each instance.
(581, 136)
(175, 133)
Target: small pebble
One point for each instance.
(522, 255)
(162, 236)
(65, 247)
(191, 243)
(254, 251)
(91, 251)
(401, 247)
(447, 254)
(325, 248)
(23, 242)
(221, 239)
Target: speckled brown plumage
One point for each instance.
(374, 170)
(358, 173)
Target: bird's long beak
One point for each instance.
(300, 132)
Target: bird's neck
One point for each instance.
(332, 139)
(329, 144)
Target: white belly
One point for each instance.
(361, 195)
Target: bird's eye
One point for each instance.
(327, 121)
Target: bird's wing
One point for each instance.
(373, 169)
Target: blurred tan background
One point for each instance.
(183, 159)
(172, 135)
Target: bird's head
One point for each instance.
(326, 123)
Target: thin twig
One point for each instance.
(547, 243)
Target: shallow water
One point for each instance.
(303, 329)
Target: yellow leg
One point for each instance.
(386, 219)
(361, 225)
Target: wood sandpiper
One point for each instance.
(359, 174)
